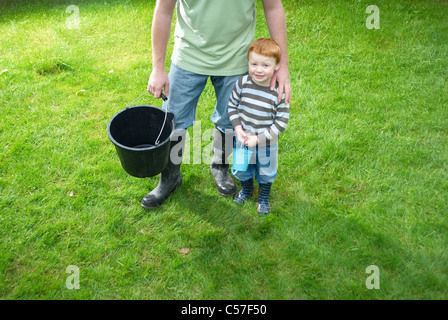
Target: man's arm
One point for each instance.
(276, 21)
(160, 35)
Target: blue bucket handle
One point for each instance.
(242, 146)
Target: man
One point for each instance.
(211, 41)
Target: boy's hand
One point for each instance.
(251, 141)
(240, 134)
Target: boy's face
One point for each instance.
(261, 68)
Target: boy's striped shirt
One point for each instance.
(257, 110)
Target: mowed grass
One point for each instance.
(362, 165)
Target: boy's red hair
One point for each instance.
(265, 47)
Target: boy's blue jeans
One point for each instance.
(185, 90)
(263, 164)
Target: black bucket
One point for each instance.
(135, 132)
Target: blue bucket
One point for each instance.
(241, 158)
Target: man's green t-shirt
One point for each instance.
(212, 36)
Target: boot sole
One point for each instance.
(250, 196)
(226, 194)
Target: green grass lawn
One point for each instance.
(363, 164)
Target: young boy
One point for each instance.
(258, 118)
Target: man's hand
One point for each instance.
(158, 82)
(282, 77)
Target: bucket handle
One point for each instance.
(164, 97)
(242, 147)
(161, 95)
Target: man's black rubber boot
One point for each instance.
(222, 146)
(170, 178)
